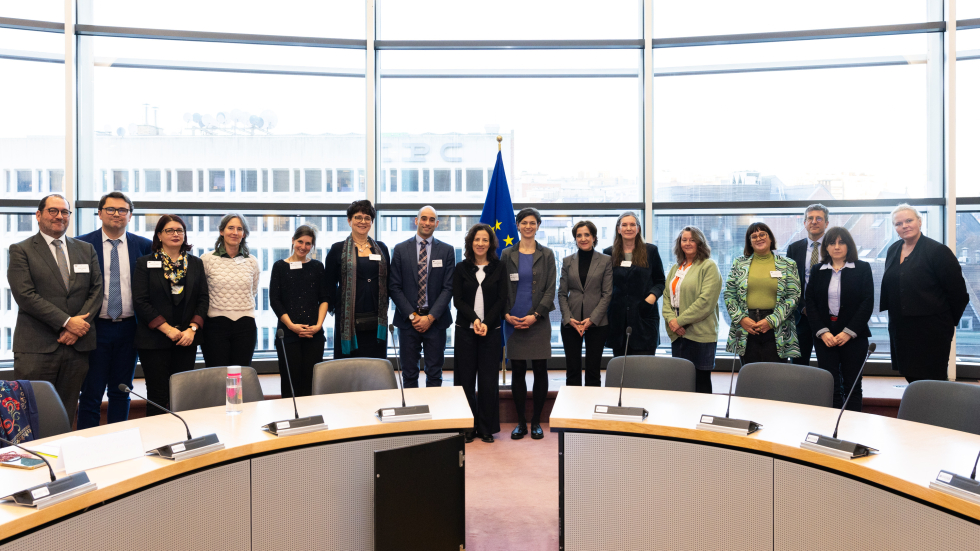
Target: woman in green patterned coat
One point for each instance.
(761, 293)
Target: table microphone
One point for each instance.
(177, 451)
(49, 493)
(725, 424)
(297, 425)
(618, 412)
(958, 485)
(831, 445)
(404, 413)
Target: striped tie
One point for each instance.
(115, 292)
(62, 261)
(423, 273)
(814, 259)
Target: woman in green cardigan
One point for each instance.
(691, 304)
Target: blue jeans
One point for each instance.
(411, 344)
(112, 362)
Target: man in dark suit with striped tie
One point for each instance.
(114, 359)
(806, 254)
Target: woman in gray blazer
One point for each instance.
(584, 292)
(531, 271)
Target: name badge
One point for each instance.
(437, 263)
(154, 264)
(81, 268)
(627, 263)
(240, 259)
(295, 265)
(515, 277)
(776, 274)
(375, 257)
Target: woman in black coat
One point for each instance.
(170, 297)
(638, 283)
(925, 295)
(839, 302)
(480, 287)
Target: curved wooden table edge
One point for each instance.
(853, 467)
(172, 469)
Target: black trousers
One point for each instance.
(368, 346)
(843, 362)
(805, 337)
(158, 365)
(761, 348)
(621, 351)
(477, 362)
(302, 355)
(518, 369)
(595, 339)
(228, 342)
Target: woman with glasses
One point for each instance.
(691, 304)
(357, 288)
(531, 270)
(638, 282)
(170, 296)
(761, 293)
(298, 296)
(233, 282)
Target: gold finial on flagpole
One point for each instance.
(499, 139)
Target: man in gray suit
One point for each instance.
(57, 284)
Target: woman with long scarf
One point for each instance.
(357, 286)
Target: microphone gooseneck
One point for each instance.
(622, 376)
(731, 381)
(280, 334)
(973, 475)
(127, 390)
(39, 456)
(391, 327)
(857, 379)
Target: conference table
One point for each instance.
(664, 484)
(261, 492)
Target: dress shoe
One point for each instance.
(519, 431)
(468, 436)
(536, 432)
(488, 438)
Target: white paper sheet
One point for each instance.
(106, 449)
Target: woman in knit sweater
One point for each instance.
(691, 304)
(233, 281)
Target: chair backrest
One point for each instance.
(52, 419)
(353, 375)
(785, 382)
(204, 388)
(652, 372)
(943, 404)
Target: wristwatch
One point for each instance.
(411, 316)
(537, 316)
(194, 329)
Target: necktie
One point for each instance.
(115, 292)
(62, 261)
(423, 273)
(814, 257)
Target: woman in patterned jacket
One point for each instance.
(761, 293)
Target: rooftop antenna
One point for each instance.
(146, 113)
(155, 116)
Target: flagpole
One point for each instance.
(503, 358)
(500, 139)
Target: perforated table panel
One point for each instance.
(628, 493)
(208, 505)
(819, 510)
(321, 497)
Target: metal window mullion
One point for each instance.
(647, 91)
(786, 36)
(601, 44)
(31, 25)
(208, 36)
(949, 139)
(71, 112)
(371, 84)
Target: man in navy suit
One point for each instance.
(114, 359)
(806, 254)
(421, 284)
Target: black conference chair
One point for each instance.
(204, 388)
(353, 375)
(785, 382)
(652, 372)
(52, 419)
(943, 404)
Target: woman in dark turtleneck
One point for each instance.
(584, 293)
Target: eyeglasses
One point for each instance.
(114, 210)
(174, 231)
(761, 236)
(55, 212)
(361, 218)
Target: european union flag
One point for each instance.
(498, 210)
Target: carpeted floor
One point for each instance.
(512, 493)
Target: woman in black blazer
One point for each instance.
(480, 287)
(924, 293)
(638, 283)
(170, 296)
(839, 302)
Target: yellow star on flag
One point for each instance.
(497, 227)
(509, 240)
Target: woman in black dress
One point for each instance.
(298, 296)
